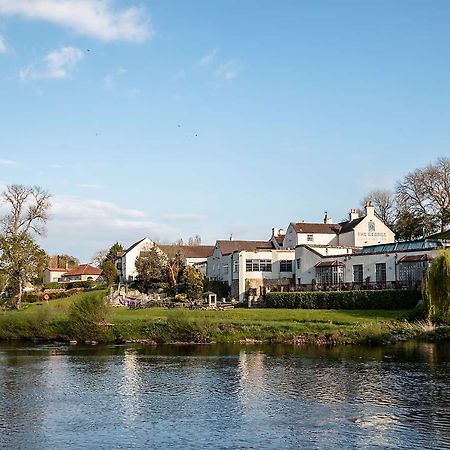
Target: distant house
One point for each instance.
(193, 255)
(125, 261)
(84, 272)
(53, 275)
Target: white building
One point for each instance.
(356, 232)
(193, 255)
(383, 265)
(125, 261)
(251, 267)
(53, 275)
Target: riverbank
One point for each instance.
(51, 322)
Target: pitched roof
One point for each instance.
(188, 251)
(55, 269)
(279, 238)
(83, 269)
(134, 245)
(228, 247)
(320, 228)
(345, 227)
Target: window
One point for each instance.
(358, 273)
(380, 272)
(236, 266)
(265, 265)
(309, 238)
(412, 271)
(286, 266)
(299, 264)
(330, 275)
(258, 265)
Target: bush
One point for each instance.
(382, 299)
(87, 318)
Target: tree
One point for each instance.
(63, 261)
(22, 260)
(385, 204)
(109, 271)
(174, 267)
(102, 256)
(151, 267)
(26, 217)
(196, 240)
(437, 289)
(426, 193)
(408, 226)
(193, 281)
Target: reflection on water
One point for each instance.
(225, 396)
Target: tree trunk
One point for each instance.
(19, 295)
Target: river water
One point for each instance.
(224, 397)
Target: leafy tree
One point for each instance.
(408, 226)
(109, 271)
(22, 260)
(26, 217)
(151, 267)
(437, 289)
(193, 282)
(102, 256)
(174, 266)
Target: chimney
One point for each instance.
(231, 236)
(326, 219)
(277, 232)
(353, 215)
(370, 210)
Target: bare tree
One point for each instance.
(196, 240)
(28, 209)
(426, 193)
(27, 216)
(385, 205)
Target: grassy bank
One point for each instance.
(52, 321)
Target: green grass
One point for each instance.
(50, 321)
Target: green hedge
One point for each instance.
(380, 299)
(75, 285)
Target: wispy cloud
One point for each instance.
(58, 64)
(82, 226)
(94, 18)
(229, 70)
(109, 81)
(3, 47)
(209, 58)
(8, 162)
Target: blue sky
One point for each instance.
(173, 118)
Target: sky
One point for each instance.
(172, 118)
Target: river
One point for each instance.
(219, 396)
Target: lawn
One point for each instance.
(50, 320)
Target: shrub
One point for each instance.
(381, 299)
(436, 289)
(87, 318)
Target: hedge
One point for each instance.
(380, 299)
(74, 285)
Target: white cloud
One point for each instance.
(8, 162)
(229, 70)
(83, 226)
(93, 18)
(58, 64)
(209, 58)
(3, 47)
